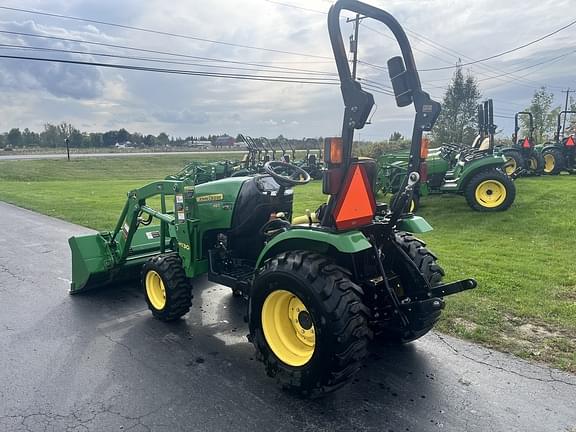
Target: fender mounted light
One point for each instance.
(333, 151)
(425, 144)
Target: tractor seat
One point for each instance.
(485, 144)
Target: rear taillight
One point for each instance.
(425, 143)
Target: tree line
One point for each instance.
(53, 136)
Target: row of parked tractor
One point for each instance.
(259, 151)
(481, 171)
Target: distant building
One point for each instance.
(224, 141)
(199, 144)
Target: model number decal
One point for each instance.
(213, 197)
(184, 246)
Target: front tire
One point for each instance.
(514, 159)
(536, 163)
(308, 323)
(166, 288)
(489, 191)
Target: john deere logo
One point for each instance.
(213, 197)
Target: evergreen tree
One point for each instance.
(458, 119)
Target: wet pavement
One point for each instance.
(100, 362)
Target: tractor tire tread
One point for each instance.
(169, 267)
(343, 313)
(490, 174)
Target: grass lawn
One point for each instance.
(523, 259)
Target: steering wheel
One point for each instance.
(286, 174)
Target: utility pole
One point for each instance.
(354, 42)
(568, 91)
(67, 148)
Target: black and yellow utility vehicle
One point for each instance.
(318, 287)
(560, 155)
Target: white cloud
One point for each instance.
(186, 105)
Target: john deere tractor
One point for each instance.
(476, 172)
(523, 153)
(560, 155)
(317, 287)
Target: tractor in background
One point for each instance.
(319, 288)
(560, 155)
(523, 153)
(476, 172)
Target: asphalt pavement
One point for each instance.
(100, 362)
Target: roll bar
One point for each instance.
(517, 126)
(403, 73)
(559, 127)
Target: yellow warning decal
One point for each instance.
(213, 197)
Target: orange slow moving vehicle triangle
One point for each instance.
(570, 142)
(357, 205)
(526, 143)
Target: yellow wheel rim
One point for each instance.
(288, 328)
(155, 290)
(490, 193)
(549, 163)
(533, 163)
(511, 166)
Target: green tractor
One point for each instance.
(476, 172)
(523, 154)
(560, 155)
(318, 287)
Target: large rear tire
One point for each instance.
(553, 161)
(425, 260)
(167, 290)
(490, 190)
(308, 323)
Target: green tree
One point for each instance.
(163, 138)
(396, 136)
(458, 120)
(50, 136)
(544, 115)
(14, 137)
(571, 120)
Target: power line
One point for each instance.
(507, 51)
(269, 78)
(155, 60)
(160, 32)
(150, 51)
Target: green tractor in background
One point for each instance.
(318, 287)
(476, 172)
(523, 153)
(560, 155)
(312, 162)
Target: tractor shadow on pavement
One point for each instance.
(205, 361)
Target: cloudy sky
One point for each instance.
(95, 99)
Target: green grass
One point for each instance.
(523, 259)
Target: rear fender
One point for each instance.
(470, 169)
(327, 243)
(551, 146)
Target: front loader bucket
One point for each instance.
(94, 264)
